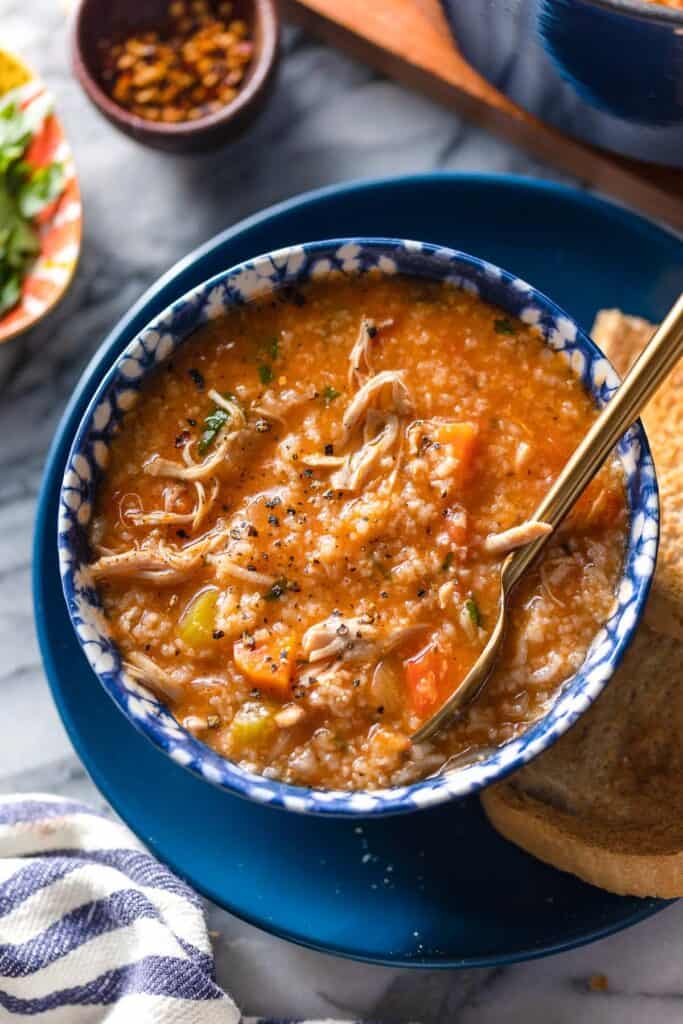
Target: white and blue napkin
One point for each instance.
(94, 929)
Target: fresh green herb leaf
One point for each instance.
(447, 562)
(43, 186)
(330, 393)
(504, 326)
(213, 423)
(280, 587)
(472, 609)
(10, 290)
(265, 373)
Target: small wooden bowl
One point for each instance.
(95, 20)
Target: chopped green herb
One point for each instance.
(280, 587)
(473, 610)
(265, 373)
(273, 347)
(504, 326)
(447, 562)
(213, 423)
(330, 393)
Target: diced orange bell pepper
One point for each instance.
(431, 677)
(265, 665)
(424, 676)
(461, 439)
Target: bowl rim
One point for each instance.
(644, 9)
(433, 790)
(266, 11)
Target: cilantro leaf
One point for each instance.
(43, 186)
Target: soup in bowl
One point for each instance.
(285, 512)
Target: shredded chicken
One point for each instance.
(522, 456)
(237, 418)
(368, 396)
(156, 561)
(336, 635)
(381, 431)
(227, 567)
(274, 407)
(324, 461)
(157, 466)
(516, 537)
(164, 517)
(289, 716)
(360, 356)
(146, 671)
(352, 638)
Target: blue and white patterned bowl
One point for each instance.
(118, 392)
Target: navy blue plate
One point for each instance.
(437, 888)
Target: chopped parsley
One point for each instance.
(504, 326)
(329, 394)
(280, 587)
(273, 347)
(265, 373)
(447, 562)
(472, 609)
(213, 424)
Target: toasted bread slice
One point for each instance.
(606, 801)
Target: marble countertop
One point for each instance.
(331, 119)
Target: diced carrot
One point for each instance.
(264, 664)
(461, 439)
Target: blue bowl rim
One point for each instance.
(395, 800)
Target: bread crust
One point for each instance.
(556, 838)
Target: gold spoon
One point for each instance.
(647, 373)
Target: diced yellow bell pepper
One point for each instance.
(199, 619)
(253, 724)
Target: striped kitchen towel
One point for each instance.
(93, 928)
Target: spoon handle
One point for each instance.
(655, 362)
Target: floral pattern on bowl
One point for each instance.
(260, 277)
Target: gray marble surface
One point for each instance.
(331, 119)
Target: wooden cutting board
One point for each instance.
(410, 41)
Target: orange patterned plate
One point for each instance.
(59, 225)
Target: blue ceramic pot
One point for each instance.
(265, 275)
(607, 71)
